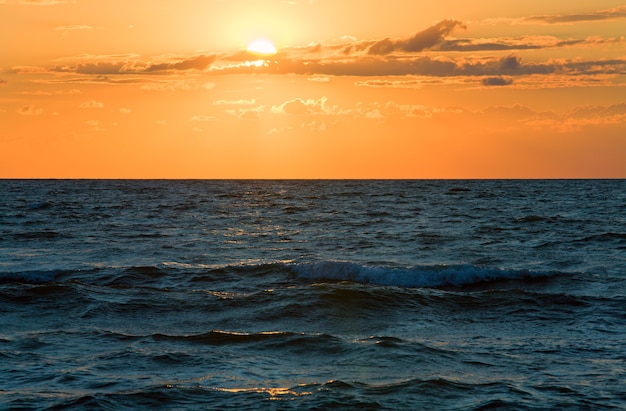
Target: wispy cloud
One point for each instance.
(242, 102)
(520, 43)
(251, 114)
(318, 79)
(30, 110)
(601, 15)
(413, 83)
(92, 104)
(94, 125)
(300, 106)
(74, 27)
(110, 65)
(50, 93)
(203, 119)
(167, 85)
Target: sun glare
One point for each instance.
(261, 47)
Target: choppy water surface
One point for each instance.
(312, 295)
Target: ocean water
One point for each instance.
(313, 295)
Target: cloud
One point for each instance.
(390, 83)
(30, 110)
(92, 104)
(250, 114)
(197, 63)
(501, 118)
(580, 117)
(27, 70)
(438, 66)
(74, 27)
(503, 43)
(278, 130)
(247, 113)
(203, 119)
(124, 110)
(95, 126)
(298, 106)
(602, 15)
(497, 81)
(533, 42)
(319, 79)
(104, 67)
(425, 66)
(3, 82)
(604, 112)
(374, 114)
(314, 126)
(431, 56)
(109, 65)
(234, 102)
(172, 85)
(51, 93)
(426, 39)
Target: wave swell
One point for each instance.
(417, 276)
(413, 277)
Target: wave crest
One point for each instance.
(413, 277)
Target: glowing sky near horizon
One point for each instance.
(394, 89)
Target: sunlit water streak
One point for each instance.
(312, 294)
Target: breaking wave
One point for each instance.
(415, 276)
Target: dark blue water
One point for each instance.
(185, 295)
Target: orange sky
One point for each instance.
(393, 89)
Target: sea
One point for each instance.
(312, 294)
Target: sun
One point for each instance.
(261, 47)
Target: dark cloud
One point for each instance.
(138, 67)
(3, 82)
(511, 63)
(497, 81)
(197, 63)
(470, 45)
(385, 46)
(609, 66)
(424, 40)
(609, 14)
(421, 65)
(102, 68)
(520, 43)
